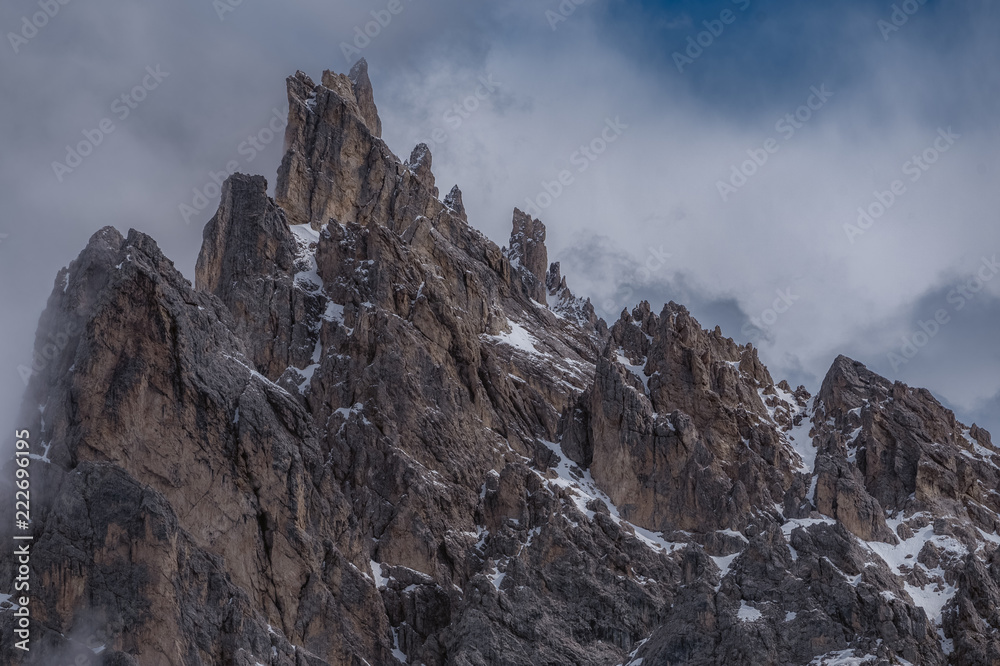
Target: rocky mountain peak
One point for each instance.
(420, 164)
(368, 434)
(364, 95)
(336, 167)
(453, 200)
(911, 452)
(528, 253)
(849, 384)
(555, 282)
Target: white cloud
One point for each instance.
(653, 187)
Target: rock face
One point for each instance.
(364, 95)
(677, 429)
(337, 168)
(369, 435)
(454, 201)
(528, 253)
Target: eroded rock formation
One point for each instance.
(369, 435)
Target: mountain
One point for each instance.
(368, 435)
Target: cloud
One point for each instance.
(655, 186)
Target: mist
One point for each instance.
(732, 184)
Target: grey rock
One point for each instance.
(364, 94)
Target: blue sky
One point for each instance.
(645, 219)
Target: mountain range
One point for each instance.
(369, 435)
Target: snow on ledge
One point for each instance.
(748, 613)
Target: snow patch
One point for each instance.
(257, 375)
(734, 533)
(45, 454)
(518, 338)
(979, 449)
(842, 658)
(790, 525)
(333, 312)
(800, 441)
(725, 563)
(633, 661)
(306, 239)
(748, 613)
(638, 370)
(584, 489)
(933, 596)
(310, 370)
(497, 579)
(380, 580)
(396, 652)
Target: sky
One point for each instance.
(815, 178)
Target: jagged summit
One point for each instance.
(527, 249)
(454, 202)
(420, 164)
(364, 95)
(367, 434)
